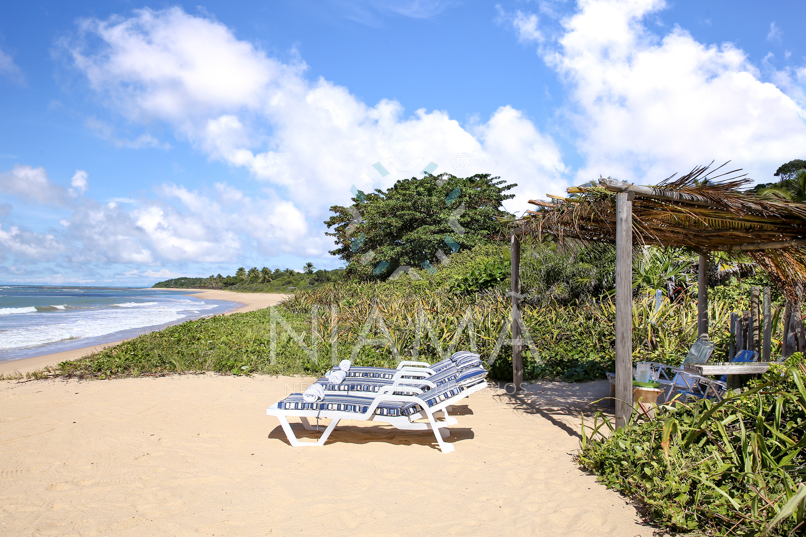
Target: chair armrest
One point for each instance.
(409, 363)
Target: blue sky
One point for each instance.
(146, 140)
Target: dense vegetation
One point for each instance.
(417, 222)
(731, 468)
(258, 281)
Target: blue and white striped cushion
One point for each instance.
(362, 385)
(436, 395)
(465, 359)
(349, 403)
(470, 376)
(372, 372)
(443, 377)
(442, 365)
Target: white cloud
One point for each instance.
(775, 33)
(526, 27)
(311, 139)
(32, 185)
(79, 183)
(164, 274)
(9, 68)
(648, 105)
(28, 245)
(107, 132)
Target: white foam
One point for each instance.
(89, 323)
(12, 311)
(134, 304)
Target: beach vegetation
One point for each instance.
(735, 467)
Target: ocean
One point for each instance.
(42, 320)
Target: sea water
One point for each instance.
(42, 320)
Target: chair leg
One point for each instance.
(294, 441)
(445, 447)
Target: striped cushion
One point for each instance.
(464, 360)
(442, 365)
(348, 403)
(470, 376)
(436, 395)
(362, 385)
(372, 372)
(443, 377)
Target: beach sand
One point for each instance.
(197, 455)
(246, 301)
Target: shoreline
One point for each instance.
(244, 302)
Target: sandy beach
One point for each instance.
(246, 302)
(197, 455)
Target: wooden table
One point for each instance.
(727, 368)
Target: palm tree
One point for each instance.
(240, 273)
(254, 274)
(265, 274)
(308, 268)
(790, 189)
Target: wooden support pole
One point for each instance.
(751, 331)
(734, 321)
(702, 296)
(624, 397)
(517, 342)
(740, 330)
(797, 321)
(786, 344)
(766, 346)
(754, 342)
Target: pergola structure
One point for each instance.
(695, 211)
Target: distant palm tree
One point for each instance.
(308, 268)
(254, 274)
(265, 274)
(790, 189)
(240, 273)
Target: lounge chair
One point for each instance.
(666, 375)
(360, 385)
(399, 410)
(698, 387)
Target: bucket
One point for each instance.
(643, 372)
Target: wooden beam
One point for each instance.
(702, 296)
(766, 345)
(624, 397)
(655, 193)
(517, 342)
(754, 247)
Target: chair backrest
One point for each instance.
(700, 352)
(745, 356)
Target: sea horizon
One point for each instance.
(37, 320)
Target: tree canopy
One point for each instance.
(417, 221)
(790, 169)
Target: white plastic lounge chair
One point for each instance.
(411, 369)
(362, 385)
(398, 410)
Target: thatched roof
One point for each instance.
(694, 211)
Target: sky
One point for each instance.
(141, 141)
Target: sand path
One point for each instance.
(196, 455)
(246, 302)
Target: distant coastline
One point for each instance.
(244, 302)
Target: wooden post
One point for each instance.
(755, 341)
(751, 331)
(734, 320)
(517, 344)
(702, 296)
(624, 397)
(786, 345)
(797, 319)
(766, 346)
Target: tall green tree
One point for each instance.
(409, 223)
(240, 273)
(265, 275)
(790, 169)
(254, 274)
